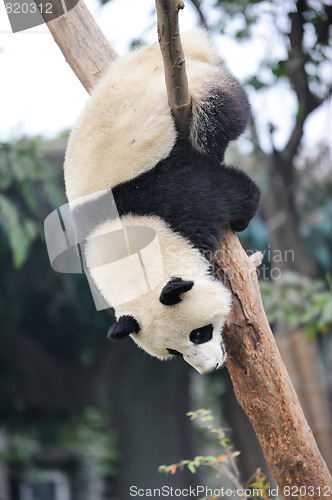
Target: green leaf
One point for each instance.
(19, 233)
(192, 467)
(279, 69)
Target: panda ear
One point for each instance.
(123, 327)
(170, 294)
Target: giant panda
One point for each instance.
(125, 152)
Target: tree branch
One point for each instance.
(295, 67)
(323, 30)
(260, 380)
(83, 44)
(202, 19)
(261, 383)
(174, 62)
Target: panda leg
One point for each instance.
(241, 196)
(238, 226)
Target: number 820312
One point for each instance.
(307, 491)
(28, 8)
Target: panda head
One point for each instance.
(185, 320)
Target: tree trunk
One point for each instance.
(300, 355)
(261, 383)
(280, 213)
(243, 436)
(288, 252)
(83, 44)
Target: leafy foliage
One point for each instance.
(20, 232)
(54, 314)
(85, 437)
(241, 20)
(27, 178)
(50, 320)
(295, 300)
(224, 463)
(88, 436)
(259, 484)
(22, 448)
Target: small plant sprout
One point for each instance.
(225, 463)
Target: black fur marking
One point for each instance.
(123, 327)
(170, 294)
(174, 352)
(194, 194)
(201, 335)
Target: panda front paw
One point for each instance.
(239, 226)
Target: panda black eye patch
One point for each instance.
(174, 352)
(201, 335)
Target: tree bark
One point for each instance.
(174, 62)
(299, 354)
(83, 44)
(260, 381)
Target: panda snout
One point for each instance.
(214, 369)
